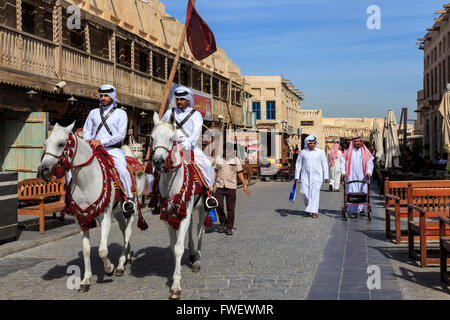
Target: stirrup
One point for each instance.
(128, 206)
(211, 202)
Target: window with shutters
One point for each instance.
(141, 58)
(123, 51)
(8, 13)
(37, 19)
(270, 110)
(158, 65)
(99, 41)
(256, 108)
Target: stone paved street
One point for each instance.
(276, 252)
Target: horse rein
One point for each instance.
(68, 148)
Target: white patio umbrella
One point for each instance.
(392, 147)
(444, 109)
(377, 136)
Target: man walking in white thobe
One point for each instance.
(357, 164)
(106, 126)
(334, 160)
(312, 169)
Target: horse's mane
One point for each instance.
(166, 123)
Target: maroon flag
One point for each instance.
(199, 37)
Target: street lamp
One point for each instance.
(31, 93)
(72, 100)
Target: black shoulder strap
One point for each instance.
(103, 117)
(179, 125)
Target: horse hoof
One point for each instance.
(174, 294)
(196, 267)
(84, 288)
(119, 272)
(192, 258)
(109, 274)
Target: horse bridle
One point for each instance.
(169, 162)
(63, 161)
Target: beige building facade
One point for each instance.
(276, 105)
(83, 44)
(436, 75)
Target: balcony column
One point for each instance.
(19, 42)
(113, 55)
(87, 40)
(57, 37)
(133, 84)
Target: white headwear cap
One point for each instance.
(110, 91)
(311, 137)
(185, 93)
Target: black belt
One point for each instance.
(117, 145)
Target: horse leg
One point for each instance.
(196, 266)
(173, 238)
(175, 291)
(128, 232)
(103, 248)
(191, 246)
(85, 284)
(122, 260)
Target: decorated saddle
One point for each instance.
(86, 217)
(174, 209)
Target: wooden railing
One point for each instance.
(102, 71)
(9, 49)
(26, 52)
(31, 54)
(74, 65)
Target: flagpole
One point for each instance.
(173, 70)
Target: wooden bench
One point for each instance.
(444, 246)
(429, 203)
(396, 200)
(37, 192)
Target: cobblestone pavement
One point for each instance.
(276, 252)
(273, 254)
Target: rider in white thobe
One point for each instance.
(312, 168)
(335, 167)
(192, 131)
(117, 122)
(356, 171)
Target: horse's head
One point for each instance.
(164, 138)
(53, 149)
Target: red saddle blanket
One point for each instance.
(86, 217)
(174, 209)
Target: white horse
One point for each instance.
(86, 188)
(164, 141)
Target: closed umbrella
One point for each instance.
(392, 147)
(444, 109)
(377, 136)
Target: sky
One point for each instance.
(326, 49)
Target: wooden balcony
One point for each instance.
(37, 58)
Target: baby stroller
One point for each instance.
(356, 198)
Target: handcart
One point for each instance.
(356, 198)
